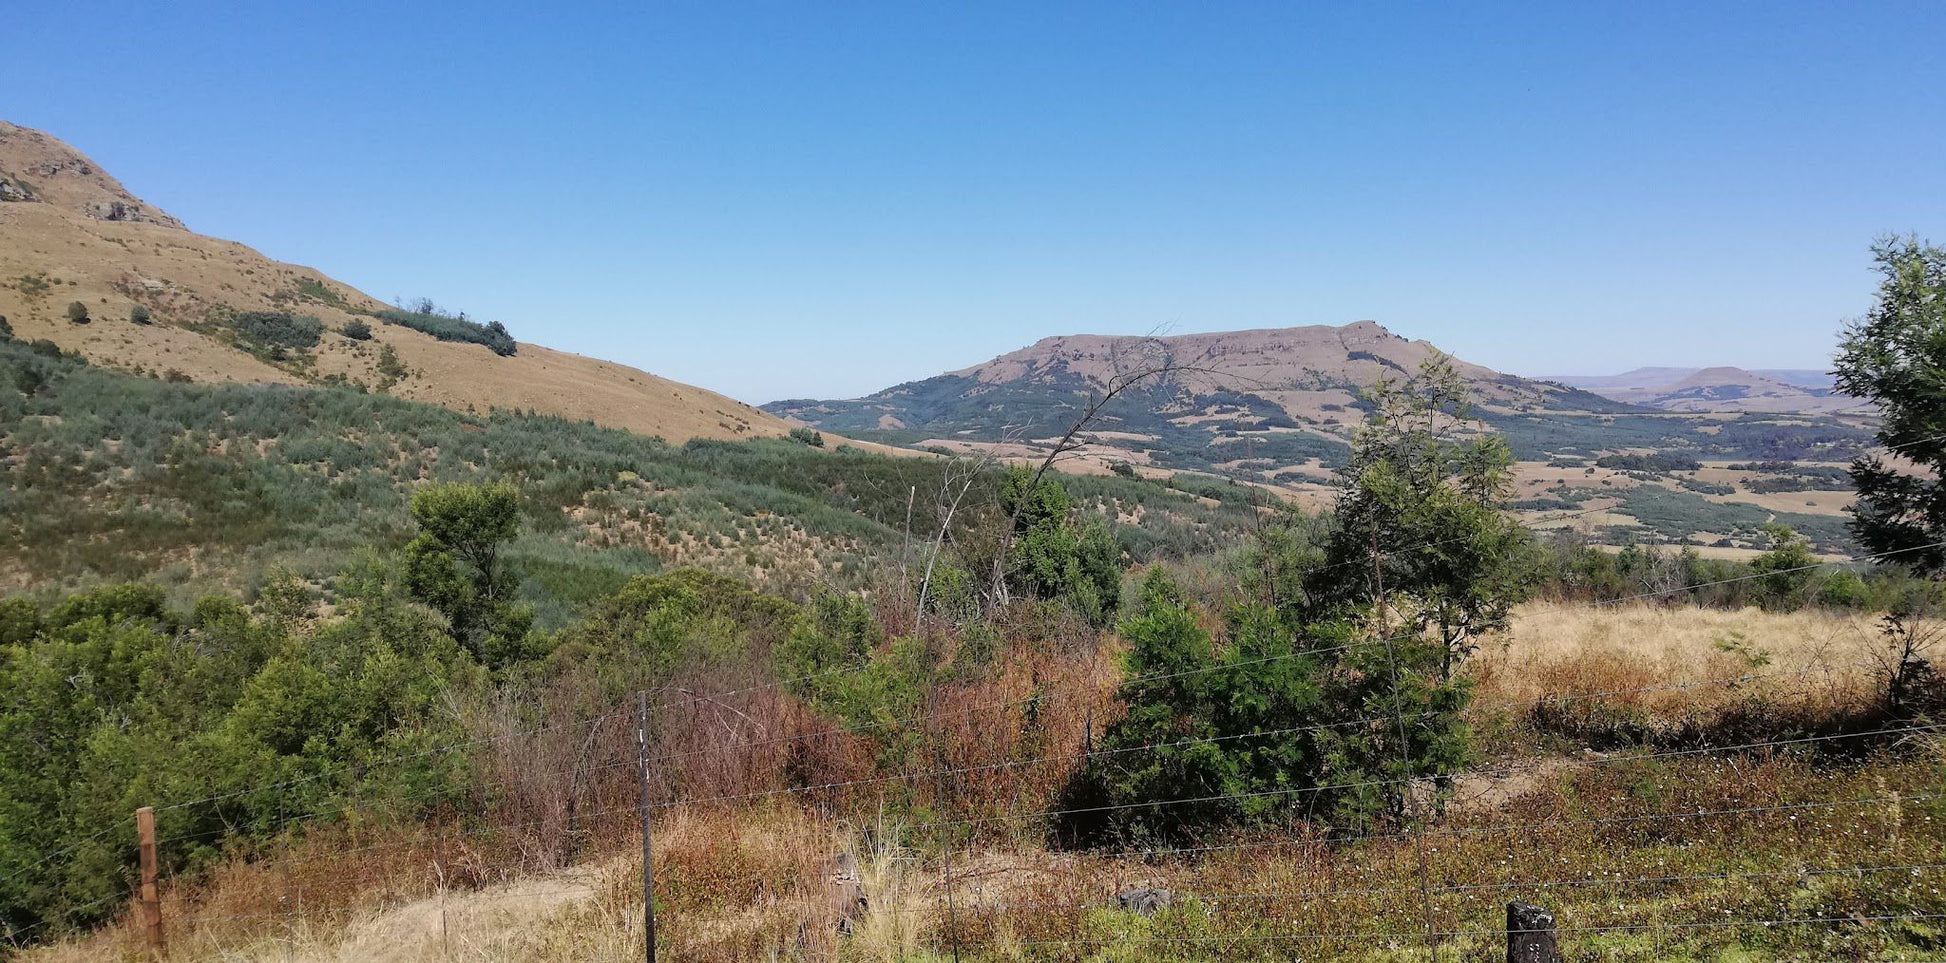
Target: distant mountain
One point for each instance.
(1272, 406)
(1718, 389)
(1815, 379)
(71, 233)
(1640, 378)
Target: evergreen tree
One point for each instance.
(1896, 357)
(454, 565)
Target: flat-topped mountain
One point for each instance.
(1277, 408)
(1288, 392)
(157, 297)
(1300, 368)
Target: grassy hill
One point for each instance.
(161, 298)
(109, 475)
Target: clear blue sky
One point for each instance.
(824, 199)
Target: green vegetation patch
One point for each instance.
(454, 327)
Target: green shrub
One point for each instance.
(808, 436)
(358, 330)
(274, 329)
(1655, 464)
(453, 327)
(138, 314)
(78, 313)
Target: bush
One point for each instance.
(808, 436)
(1261, 725)
(272, 329)
(78, 312)
(1657, 464)
(451, 327)
(138, 314)
(358, 330)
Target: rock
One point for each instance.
(1145, 901)
(14, 191)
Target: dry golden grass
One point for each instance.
(1558, 649)
(183, 277)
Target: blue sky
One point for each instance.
(781, 200)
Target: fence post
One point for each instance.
(1530, 935)
(151, 900)
(648, 860)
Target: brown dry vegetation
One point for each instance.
(1643, 853)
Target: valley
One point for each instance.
(338, 630)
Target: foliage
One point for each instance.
(78, 312)
(807, 436)
(838, 660)
(390, 369)
(138, 314)
(114, 700)
(655, 627)
(1896, 357)
(1056, 556)
(1786, 569)
(1419, 531)
(428, 319)
(357, 330)
(455, 565)
(1276, 720)
(1652, 463)
(277, 329)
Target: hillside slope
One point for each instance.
(1287, 395)
(71, 232)
(1270, 398)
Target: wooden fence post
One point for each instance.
(151, 900)
(1530, 935)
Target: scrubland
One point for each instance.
(1622, 784)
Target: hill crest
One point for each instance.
(71, 233)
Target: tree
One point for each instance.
(1787, 568)
(1896, 357)
(1419, 530)
(1053, 555)
(454, 564)
(1273, 719)
(1150, 363)
(1211, 730)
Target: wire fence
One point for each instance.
(790, 834)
